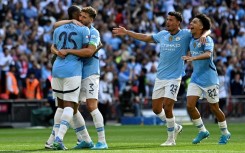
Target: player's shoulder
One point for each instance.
(94, 30)
(165, 32)
(185, 31)
(209, 38)
(161, 33)
(82, 27)
(209, 41)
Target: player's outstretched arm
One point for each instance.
(60, 23)
(121, 31)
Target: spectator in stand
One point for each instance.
(5, 62)
(124, 76)
(237, 89)
(140, 16)
(223, 89)
(128, 102)
(32, 87)
(12, 89)
(105, 96)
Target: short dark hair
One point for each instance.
(74, 12)
(90, 10)
(177, 15)
(206, 22)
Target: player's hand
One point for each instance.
(187, 58)
(99, 46)
(60, 54)
(77, 22)
(202, 40)
(119, 31)
(63, 52)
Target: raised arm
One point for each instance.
(121, 31)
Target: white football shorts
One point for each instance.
(166, 88)
(211, 93)
(89, 88)
(67, 89)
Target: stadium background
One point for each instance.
(26, 31)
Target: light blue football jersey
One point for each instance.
(204, 71)
(92, 65)
(172, 48)
(69, 36)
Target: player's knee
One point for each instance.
(156, 110)
(91, 107)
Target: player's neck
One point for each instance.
(89, 26)
(197, 35)
(175, 31)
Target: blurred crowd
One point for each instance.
(26, 28)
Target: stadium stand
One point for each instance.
(26, 29)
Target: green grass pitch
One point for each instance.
(135, 138)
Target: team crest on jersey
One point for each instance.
(170, 38)
(177, 38)
(194, 44)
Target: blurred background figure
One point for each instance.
(12, 89)
(128, 102)
(105, 96)
(32, 87)
(26, 37)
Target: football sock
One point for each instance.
(56, 126)
(99, 124)
(80, 128)
(162, 116)
(199, 124)
(65, 119)
(170, 127)
(51, 137)
(223, 127)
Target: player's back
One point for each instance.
(69, 36)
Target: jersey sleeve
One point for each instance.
(86, 35)
(94, 38)
(187, 32)
(157, 37)
(209, 45)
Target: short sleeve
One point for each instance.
(157, 37)
(94, 38)
(86, 35)
(209, 45)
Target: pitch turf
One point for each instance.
(136, 138)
